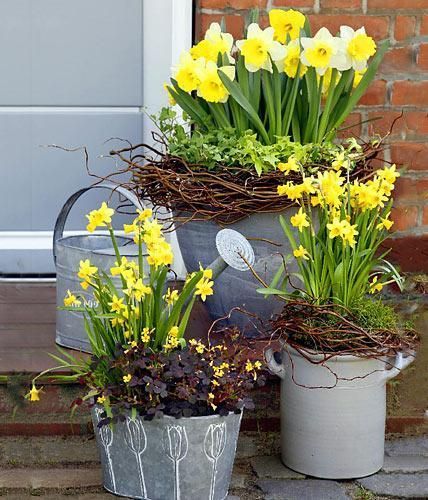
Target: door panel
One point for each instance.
(71, 53)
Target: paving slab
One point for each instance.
(305, 489)
(271, 467)
(405, 463)
(397, 485)
(407, 446)
(247, 447)
(34, 479)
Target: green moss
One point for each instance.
(375, 315)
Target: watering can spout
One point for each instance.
(234, 250)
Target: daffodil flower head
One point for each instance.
(222, 41)
(292, 62)
(385, 223)
(375, 286)
(389, 174)
(286, 23)
(358, 47)
(300, 220)
(260, 49)
(34, 394)
(291, 165)
(204, 288)
(341, 161)
(291, 190)
(71, 300)
(301, 253)
(324, 51)
(188, 71)
(211, 87)
(206, 273)
(99, 218)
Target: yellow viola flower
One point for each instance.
(172, 341)
(358, 47)
(204, 288)
(286, 23)
(299, 220)
(385, 223)
(301, 253)
(71, 300)
(188, 71)
(127, 378)
(101, 400)
(34, 394)
(323, 51)
(171, 296)
(116, 304)
(341, 161)
(211, 87)
(291, 165)
(291, 62)
(375, 286)
(260, 48)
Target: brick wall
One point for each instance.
(401, 86)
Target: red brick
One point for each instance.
(234, 24)
(412, 155)
(397, 4)
(293, 3)
(397, 59)
(343, 4)
(405, 27)
(404, 218)
(424, 25)
(422, 58)
(411, 190)
(410, 253)
(235, 4)
(376, 26)
(351, 127)
(410, 93)
(407, 125)
(375, 94)
(425, 216)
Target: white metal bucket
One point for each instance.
(333, 412)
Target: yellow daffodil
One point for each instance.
(335, 228)
(127, 378)
(291, 165)
(291, 190)
(375, 286)
(71, 300)
(299, 220)
(207, 273)
(205, 49)
(137, 289)
(86, 271)
(330, 186)
(385, 223)
(168, 89)
(116, 304)
(323, 51)
(348, 233)
(119, 268)
(143, 215)
(188, 71)
(389, 174)
(358, 75)
(358, 47)
(340, 161)
(286, 24)
(152, 231)
(34, 394)
(99, 218)
(260, 48)
(223, 42)
(211, 87)
(160, 254)
(171, 296)
(301, 253)
(291, 62)
(204, 288)
(130, 228)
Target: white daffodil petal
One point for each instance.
(306, 42)
(253, 30)
(277, 51)
(346, 32)
(229, 71)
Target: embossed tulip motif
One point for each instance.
(106, 437)
(175, 444)
(136, 441)
(214, 444)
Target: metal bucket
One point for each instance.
(168, 459)
(333, 412)
(68, 252)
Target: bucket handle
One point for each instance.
(400, 363)
(273, 365)
(65, 210)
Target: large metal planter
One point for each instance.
(233, 288)
(169, 459)
(333, 412)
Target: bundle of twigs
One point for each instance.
(313, 328)
(225, 194)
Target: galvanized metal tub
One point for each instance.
(333, 412)
(233, 288)
(167, 458)
(68, 252)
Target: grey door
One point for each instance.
(74, 73)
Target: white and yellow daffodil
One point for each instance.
(223, 41)
(358, 47)
(188, 71)
(260, 49)
(324, 51)
(210, 86)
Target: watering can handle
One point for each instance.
(400, 363)
(274, 367)
(65, 210)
